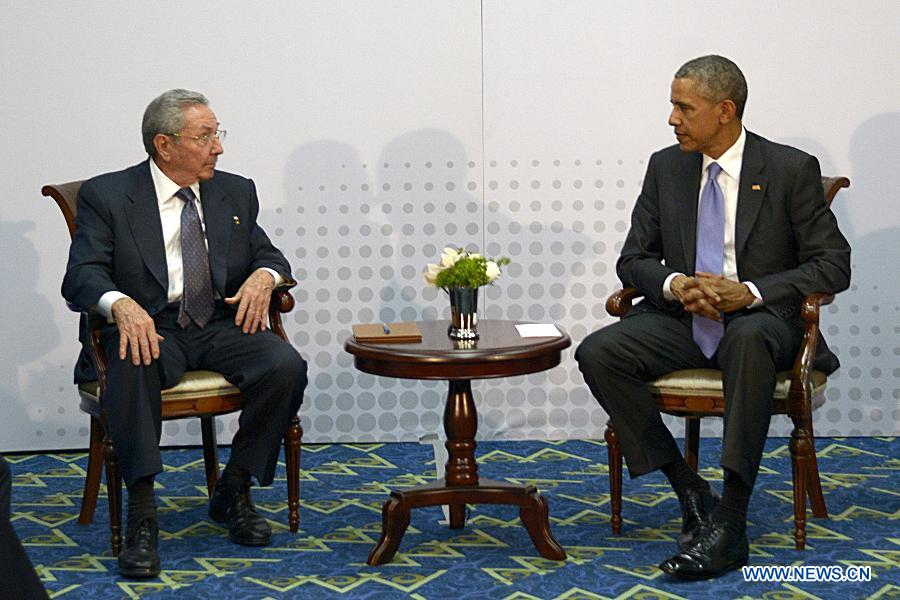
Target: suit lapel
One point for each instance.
(687, 194)
(751, 192)
(146, 227)
(217, 217)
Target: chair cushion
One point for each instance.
(708, 382)
(194, 384)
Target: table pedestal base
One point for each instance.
(532, 510)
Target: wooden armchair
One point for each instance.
(202, 394)
(697, 393)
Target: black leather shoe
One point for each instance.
(235, 507)
(696, 506)
(717, 549)
(139, 557)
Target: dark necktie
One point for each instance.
(710, 254)
(197, 302)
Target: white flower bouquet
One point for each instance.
(460, 268)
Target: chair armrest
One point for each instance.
(282, 302)
(798, 396)
(95, 323)
(619, 303)
(809, 309)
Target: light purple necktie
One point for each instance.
(710, 254)
(197, 301)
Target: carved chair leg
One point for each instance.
(93, 474)
(114, 493)
(292, 464)
(814, 483)
(692, 442)
(210, 452)
(800, 452)
(614, 456)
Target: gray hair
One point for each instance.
(717, 79)
(165, 114)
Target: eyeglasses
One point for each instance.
(205, 139)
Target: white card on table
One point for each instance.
(527, 330)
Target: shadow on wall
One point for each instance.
(359, 236)
(555, 276)
(874, 231)
(26, 320)
(865, 211)
(862, 324)
(422, 179)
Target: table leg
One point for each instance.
(460, 425)
(461, 486)
(535, 515)
(394, 521)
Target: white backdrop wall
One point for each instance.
(377, 132)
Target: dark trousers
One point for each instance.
(269, 372)
(618, 360)
(17, 577)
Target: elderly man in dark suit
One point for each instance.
(171, 252)
(729, 233)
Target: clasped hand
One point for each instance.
(710, 295)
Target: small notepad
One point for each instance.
(381, 333)
(528, 330)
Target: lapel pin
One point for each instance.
(755, 187)
(236, 220)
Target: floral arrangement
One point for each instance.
(460, 268)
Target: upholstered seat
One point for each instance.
(708, 383)
(195, 385)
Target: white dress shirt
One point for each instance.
(170, 207)
(729, 181)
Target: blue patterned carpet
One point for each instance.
(343, 487)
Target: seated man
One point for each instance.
(728, 235)
(171, 252)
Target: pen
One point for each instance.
(387, 330)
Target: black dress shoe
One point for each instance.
(717, 549)
(139, 557)
(696, 506)
(235, 507)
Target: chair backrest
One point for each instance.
(65, 195)
(832, 185)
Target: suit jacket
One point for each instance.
(119, 245)
(787, 241)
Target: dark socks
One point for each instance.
(735, 500)
(682, 477)
(141, 501)
(235, 477)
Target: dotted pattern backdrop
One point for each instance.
(360, 235)
(545, 124)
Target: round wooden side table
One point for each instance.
(499, 352)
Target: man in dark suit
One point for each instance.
(171, 252)
(729, 233)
